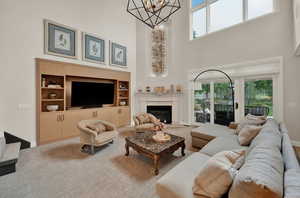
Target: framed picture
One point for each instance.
(118, 54)
(93, 48)
(60, 40)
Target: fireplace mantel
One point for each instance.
(149, 99)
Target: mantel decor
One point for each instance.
(153, 12)
(234, 105)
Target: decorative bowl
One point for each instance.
(161, 138)
(52, 107)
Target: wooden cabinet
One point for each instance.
(123, 116)
(54, 126)
(50, 127)
(71, 119)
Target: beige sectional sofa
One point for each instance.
(178, 182)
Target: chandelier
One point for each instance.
(153, 12)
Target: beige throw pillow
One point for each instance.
(143, 118)
(251, 120)
(98, 127)
(248, 133)
(217, 174)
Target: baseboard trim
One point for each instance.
(296, 143)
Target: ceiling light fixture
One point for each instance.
(153, 12)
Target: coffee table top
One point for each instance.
(145, 141)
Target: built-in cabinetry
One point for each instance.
(297, 25)
(52, 90)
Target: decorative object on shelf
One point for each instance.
(153, 12)
(54, 86)
(52, 107)
(93, 48)
(140, 91)
(118, 54)
(158, 50)
(43, 82)
(60, 40)
(122, 103)
(178, 89)
(148, 89)
(123, 86)
(199, 86)
(52, 95)
(159, 90)
(172, 88)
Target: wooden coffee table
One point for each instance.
(145, 145)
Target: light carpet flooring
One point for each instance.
(60, 170)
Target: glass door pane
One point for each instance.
(202, 104)
(259, 97)
(223, 110)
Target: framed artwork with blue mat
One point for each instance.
(118, 54)
(60, 40)
(93, 48)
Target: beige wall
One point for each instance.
(268, 36)
(21, 41)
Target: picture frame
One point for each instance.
(60, 40)
(93, 48)
(118, 54)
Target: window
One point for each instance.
(202, 104)
(213, 15)
(259, 97)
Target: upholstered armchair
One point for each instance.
(96, 133)
(145, 122)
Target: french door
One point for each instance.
(254, 95)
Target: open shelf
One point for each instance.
(50, 88)
(123, 93)
(52, 100)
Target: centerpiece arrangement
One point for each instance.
(160, 135)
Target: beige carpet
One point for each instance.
(60, 170)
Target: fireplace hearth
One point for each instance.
(164, 113)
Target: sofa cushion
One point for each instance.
(269, 136)
(292, 183)
(222, 144)
(217, 174)
(211, 131)
(288, 153)
(248, 133)
(261, 175)
(178, 182)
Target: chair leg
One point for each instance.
(93, 149)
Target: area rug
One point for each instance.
(60, 170)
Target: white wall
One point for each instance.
(268, 36)
(21, 41)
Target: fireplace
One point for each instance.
(164, 113)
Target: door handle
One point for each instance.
(63, 117)
(58, 118)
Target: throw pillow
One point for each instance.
(217, 174)
(154, 120)
(98, 127)
(250, 120)
(143, 118)
(247, 134)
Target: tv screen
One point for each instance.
(91, 94)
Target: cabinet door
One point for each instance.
(71, 119)
(123, 116)
(109, 114)
(50, 127)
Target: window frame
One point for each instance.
(206, 5)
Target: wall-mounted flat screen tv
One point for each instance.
(91, 94)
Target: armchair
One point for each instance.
(145, 121)
(96, 133)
